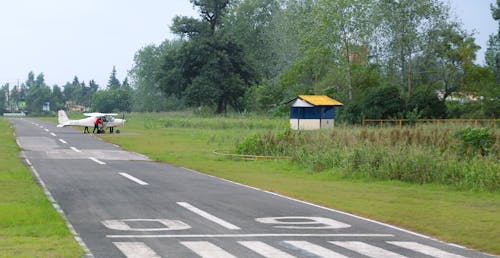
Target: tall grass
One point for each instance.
(423, 154)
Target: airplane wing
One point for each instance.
(94, 114)
(99, 114)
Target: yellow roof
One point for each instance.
(320, 100)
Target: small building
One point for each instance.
(312, 112)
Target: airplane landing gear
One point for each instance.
(118, 131)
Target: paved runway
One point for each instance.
(120, 204)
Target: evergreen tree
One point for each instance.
(125, 83)
(113, 82)
(57, 100)
(38, 93)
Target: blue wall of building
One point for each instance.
(312, 113)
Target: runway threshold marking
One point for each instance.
(428, 250)
(314, 249)
(136, 250)
(53, 134)
(366, 249)
(265, 249)
(63, 141)
(97, 161)
(135, 179)
(208, 216)
(206, 249)
(46, 130)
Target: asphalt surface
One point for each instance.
(120, 204)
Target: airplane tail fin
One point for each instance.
(62, 118)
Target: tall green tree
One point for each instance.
(447, 58)
(345, 27)
(144, 75)
(492, 54)
(115, 97)
(38, 93)
(113, 82)
(404, 24)
(4, 93)
(57, 100)
(212, 64)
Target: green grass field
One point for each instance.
(29, 225)
(469, 218)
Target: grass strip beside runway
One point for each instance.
(29, 225)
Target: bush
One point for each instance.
(384, 102)
(474, 141)
(416, 155)
(428, 103)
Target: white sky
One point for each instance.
(64, 38)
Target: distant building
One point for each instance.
(73, 107)
(312, 112)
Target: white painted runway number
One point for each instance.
(282, 222)
(208, 249)
(303, 222)
(166, 225)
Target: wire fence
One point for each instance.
(476, 122)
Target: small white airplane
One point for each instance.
(107, 121)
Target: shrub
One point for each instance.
(474, 141)
(417, 155)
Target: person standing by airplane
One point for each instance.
(96, 125)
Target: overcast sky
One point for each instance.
(86, 38)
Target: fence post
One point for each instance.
(400, 123)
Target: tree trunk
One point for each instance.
(222, 105)
(409, 77)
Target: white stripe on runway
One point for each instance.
(97, 161)
(425, 249)
(315, 249)
(53, 134)
(75, 149)
(366, 249)
(136, 250)
(208, 216)
(135, 179)
(265, 249)
(248, 235)
(207, 250)
(63, 141)
(46, 130)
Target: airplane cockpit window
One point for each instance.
(104, 119)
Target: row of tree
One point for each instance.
(257, 54)
(31, 95)
(382, 58)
